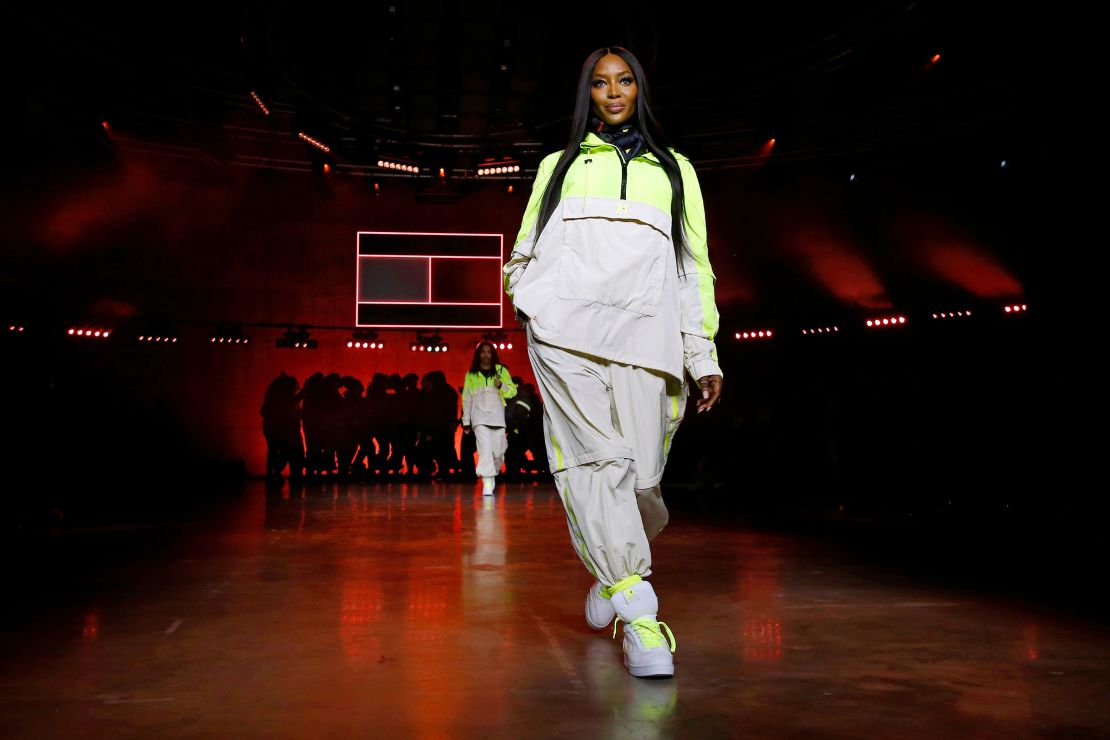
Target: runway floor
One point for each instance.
(426, 611)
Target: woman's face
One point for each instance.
(613, 90)
(485, 355)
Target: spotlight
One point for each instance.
(428, 343)
(314, 142)
(363, 339)
(89, 332)
(399, 164)
(952, 315)
(261, 105)
(821, 330)
(756, 334)
(1016, 308)
(498, 167)
(499, 340)
(229, 334)
(886, 321)
(295, 339)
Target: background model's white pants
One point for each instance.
(608, 431)
(491, 443)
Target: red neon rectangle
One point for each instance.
(458, 275)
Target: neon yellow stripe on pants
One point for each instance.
(570, 509)
(670, 432)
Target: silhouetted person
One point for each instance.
(467, 450)
(281, 425)
(312, 413)
(518, 409)
(350, 411)
(331, 436)
(441, 419)
(371, 425)
(533, 432)
(408, 421)
(392, 408)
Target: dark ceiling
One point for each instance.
(448, 84)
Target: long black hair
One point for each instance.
(476, 363)
(654, 139)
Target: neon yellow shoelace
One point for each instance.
(649, 631)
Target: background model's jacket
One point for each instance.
(603, 279)
(482, 402)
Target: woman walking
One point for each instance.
(610, 274)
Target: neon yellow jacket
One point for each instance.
(603, 279)
(483, 402)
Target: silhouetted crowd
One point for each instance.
(334, 426)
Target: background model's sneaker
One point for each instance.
(599, 609)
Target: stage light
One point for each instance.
(1016, 308)
(935, 58)
(428, 343)
(821, 330)
(229, 334)
(87, 332)
(499, 340)
(327, 168)
(15, 329)
(495, 167)
(364, 339)
(261, 105)
(295, 339)
(399, 164)
(887, 321)
(952, 315)
(105, 125)
(757, 334)
(314, 142)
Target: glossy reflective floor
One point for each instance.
(426, 611)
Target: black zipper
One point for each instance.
(624, 173)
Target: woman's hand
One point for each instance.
(710, 392)
(497, 382)
(466, 430)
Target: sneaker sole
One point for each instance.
(665, 670)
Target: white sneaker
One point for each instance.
(647, 652)
(487, 485)
(599, 608)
